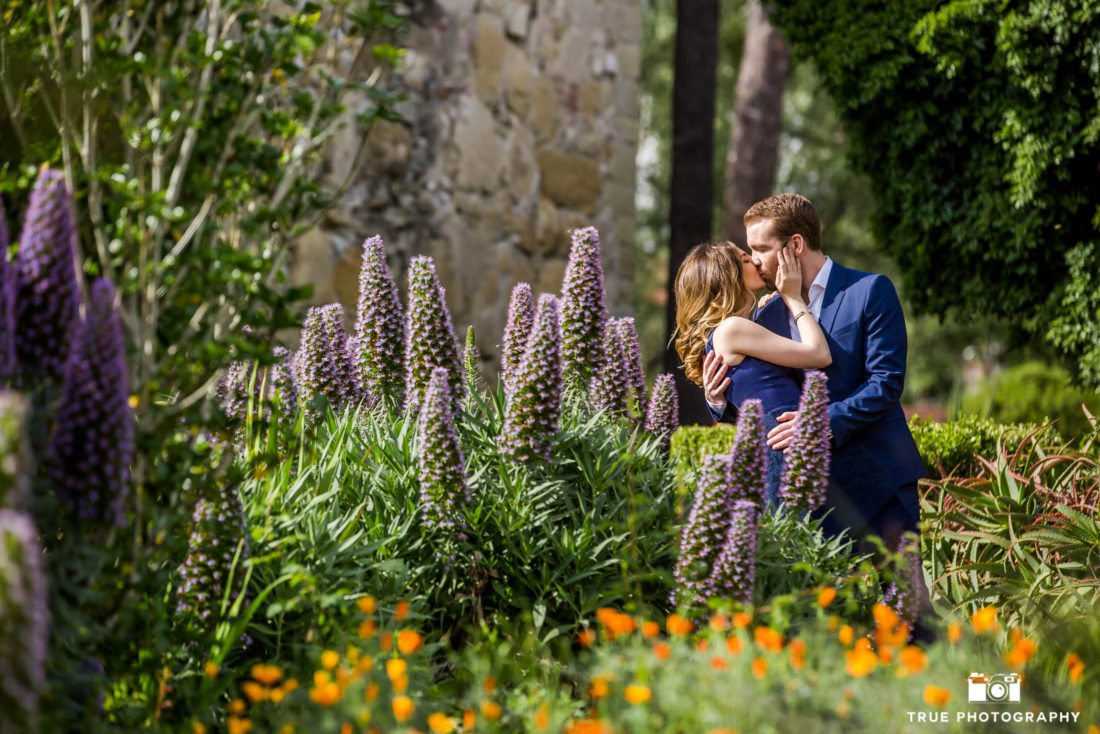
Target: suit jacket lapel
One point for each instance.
(834, 296)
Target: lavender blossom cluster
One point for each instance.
(904, 595)
(521, 319)
(632, 367)
(92, 446)
(735, 568)
(607, 389)
(533, 408)
(24, 623)
(663, 411)
(806, 459)
(748, 456)
(7, 305)
(274, 388)
(440, 464)
(430, 340)
(323, 362)
(218, 529)
(378, 343)
(47, 294)
(583, 309)
(704, 533)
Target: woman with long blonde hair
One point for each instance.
(716, 289)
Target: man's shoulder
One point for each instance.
(850, 277)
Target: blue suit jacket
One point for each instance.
(873, 451)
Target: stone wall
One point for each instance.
(522, 124)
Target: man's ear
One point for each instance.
(797, 244)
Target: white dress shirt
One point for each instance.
(817, 295)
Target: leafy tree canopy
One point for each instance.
(977, 124)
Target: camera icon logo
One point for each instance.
(994, 688)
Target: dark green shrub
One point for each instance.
(1033, 392)
(951, 448)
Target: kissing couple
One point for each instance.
(827, 317)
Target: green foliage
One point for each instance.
(690, 444)
(1033, 392)
(952, 448)
(981, 153)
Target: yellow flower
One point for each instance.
(490, 684)
(1076, 666)
(408, 642)
(253, 691)
(210, 670)
(371, 694)
(759, 667)
(286, 729)
(798, 654)
(490, 710)
(767, 638)
(542, 717)
(469, 719)
(400, 683)
(401, 610)
(912, 660)
(741, 620)
(984, 620)
(440, 723)
(134, 401)
(330, 659)
(861, 661)
(662, 650)
(403, 708)
(936, 696)
(396, 668)
(650, 629)
(365, 664)
(719, 622)
(345, 728)
(844, 634)
(717, 662)
(677, 625)
(237, 706)
(954, 632)
(637, 694)
(586, 637)
(269, 675)
(886, 619)
(367, 604)
(825, 596)
(587, 726)
(1021, 652)
(325, 694)
(599, 687)
(238, 726)
(734, 644)
(197, 728)
(367, 629)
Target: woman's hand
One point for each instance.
(715, 381)
(788, 278)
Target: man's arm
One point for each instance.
(885, 347)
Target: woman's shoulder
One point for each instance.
(733, 325)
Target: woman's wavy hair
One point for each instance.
(709, 288)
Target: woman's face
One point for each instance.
(749, 274)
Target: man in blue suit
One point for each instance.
(875, 464)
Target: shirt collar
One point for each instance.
(822, 279)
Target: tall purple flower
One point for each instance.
(702, 536)
(323, 363)
(663, 412)
(15, 450)
(47, 294)
(7, 305)
(748, 455)
(583, 309)
(218, 532)
(24, 623)
(633, 370)
(521, 319)
(608, 390)
(806, 459)
(430, 340)
(273, 384)
(440, 464)
(533, 408)
(906, 593)
(283, 385)
(735, 569)
(379, 325)
(92, 446)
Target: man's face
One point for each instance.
(765, 249)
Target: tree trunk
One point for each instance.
(758, 106)
(692, 187)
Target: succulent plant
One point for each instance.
(441, 467)
(429, 336)
(583, 309)
(378, 343)
(806, 459)
(663, 410)
(521, 319)
(533, 408)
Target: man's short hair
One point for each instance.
(790, 214)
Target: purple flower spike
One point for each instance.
(521, 319)
(323, 363)
(703, 534)
(7, 305)
(663, 412)
(533, 408)
(47, 295)
(905, 595)
(24, 622)
(92, 446)
(379, 328)
(633, 370)
(806, 469)
(283, 386)
(430, 340)
(608, 389)
(748, 455)
(735, 568)
(218, 527)
(440, 464)
(583, 309)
